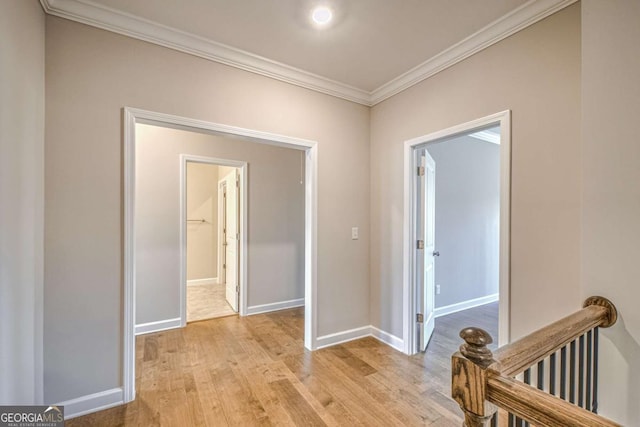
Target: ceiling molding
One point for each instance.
(126, 24)
(516, 20)
(99, 16)
(486, 136)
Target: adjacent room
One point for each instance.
(460, 190)
(212, 215)
(219, 226)
(467, 228)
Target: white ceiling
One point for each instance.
(362, 56)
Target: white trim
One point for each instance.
(129, 293)
(131, 116)
(207, 281)
(158, 325)
(275, 306)
(409, 313)
(343, 336)
(119, 22)
(92, 403)
(387, 338)
(100, 16)
(486, 136)
(509, 24)
(358, 333)
(243, 252)
(311, 249)
(465, 305)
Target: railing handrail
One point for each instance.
(514, 358)
(538, 407)
(483, 381)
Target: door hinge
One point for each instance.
(419, 318)
(224, 265)
(420, 170)
(237, 289)
(420, 244)
(237, 182)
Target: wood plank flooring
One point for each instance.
(254, 371)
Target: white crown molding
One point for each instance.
(99, 16)
(516, 20)
(486, 136)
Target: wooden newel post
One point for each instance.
(469, 370)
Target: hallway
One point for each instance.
(255, 371)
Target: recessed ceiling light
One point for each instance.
(321, 15)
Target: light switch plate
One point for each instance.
(354, 233)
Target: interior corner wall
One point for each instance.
(611, 193)
(91, 75)
(535, 73)
(202, 237)
(467, 219)
(275, 216)
(22, 98)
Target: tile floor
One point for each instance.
(207, 302)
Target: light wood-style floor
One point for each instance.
(207, 302)
(254, 370)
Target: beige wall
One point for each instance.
(91, 75)
(202, 237)
(21, 200)
(536, 74)
(275, 213)
(611, 192)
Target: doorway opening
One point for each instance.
(211, 234)
(299, 177)
(457, 198)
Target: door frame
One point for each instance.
(503, 119)
(242, 253)
(131, 116)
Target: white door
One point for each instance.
(232, 234)
(425, 265)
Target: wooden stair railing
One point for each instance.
(482, 381)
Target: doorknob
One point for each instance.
(436, 253)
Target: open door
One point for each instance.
(232, 237)
(425, 248)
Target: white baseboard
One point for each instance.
(92, 403)
(465, 305)
(160, 325)
(206, 281)
(283, 305)
(342, 337)
(387, 338)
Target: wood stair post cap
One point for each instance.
(475, 346)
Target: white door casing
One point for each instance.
(232, 238)
(132, 116)
(241, 169)
(410, 301)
